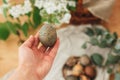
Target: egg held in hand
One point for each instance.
(48, 35)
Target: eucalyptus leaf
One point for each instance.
(4, 31)
(84, 46)
(25, 29)
(99, 31)
(97, 59)
(117, 76)
(103, 43)
(94, 41)
(36, 17)
(112, 59)
(109, 70)
(111, 38)
(117, 51)
(90, 32)
(117, 47)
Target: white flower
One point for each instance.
(50, 7)
(66, 18)
(26, 9)
(27, 3)
(39, 3)
(72, 3)
(62, 7)
(16, 11)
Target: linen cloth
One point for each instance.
(100, 8)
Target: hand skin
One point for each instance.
(34, 61)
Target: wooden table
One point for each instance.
(9, 48)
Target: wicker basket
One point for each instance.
(83, 16)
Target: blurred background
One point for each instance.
(9, 47)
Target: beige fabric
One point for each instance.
(100, 8)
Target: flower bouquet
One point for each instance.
(36, 12)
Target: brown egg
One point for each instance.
(84, 60)
(112, 77)
(66, 72)
(83, 77)
(90, 71)
(71, 77)
(77, 70)
(71, 61)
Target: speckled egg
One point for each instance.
(84, 60)
(48, 35)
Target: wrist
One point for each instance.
(27, 72)
(24, 73)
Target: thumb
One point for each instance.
(29, 42)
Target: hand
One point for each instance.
(37, 59)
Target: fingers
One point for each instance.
(29, 42)
(52, 52)
(42, 49)
(36, 40)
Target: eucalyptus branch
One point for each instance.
(107, 40)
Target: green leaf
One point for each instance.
(117, 76)
(97, 59)
(5, 12)
(18, 26)
(4, 1)
(36, 17)
(109, 70)
(117, 51)
(103, 43)
(84, 46)
(32, 1)
(25, 29)
(4, 32)
(111, 38)
(99, 31)
(11, 27)
(112, 59)
(71, 8)
(94, 41)
(117, 47)
(54, 20)
(90, 32)
(29, 14)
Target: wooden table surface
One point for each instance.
(9, 48)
